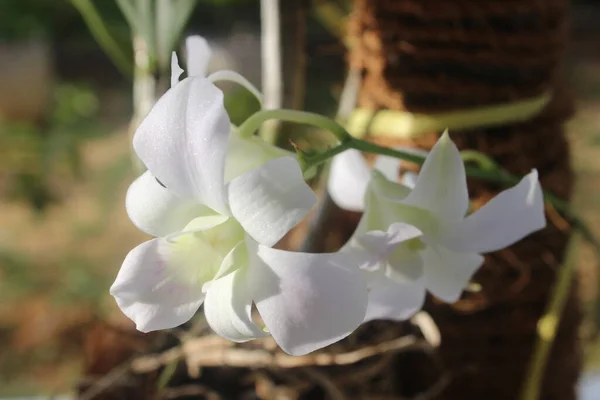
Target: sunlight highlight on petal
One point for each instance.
(271, 199)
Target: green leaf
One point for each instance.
(128, 8)
(103, 36)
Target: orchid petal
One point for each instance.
(150, 293)
(382, 244)
(176, 70)
(391, 167)
(442, 185)
(237, 258)
(409, 179)
(200, 224)
(393, 300)
(406, 264)
(388, 190)
(307, 301)
(447, 272)
(271, 199)
(507, 218)
(198, 55)
(157, 211)
(232, 76)
(228, 308)
(371, 250)
(348, 179)
(183, 142)
(386, 202)
(388, 167)
(246, 154)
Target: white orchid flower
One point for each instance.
(214, 235)
(444, 247)
(243, 154)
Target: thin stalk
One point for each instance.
(144, 91)
(317, 227)
(548, 326)
(252, 124)
(272, 76)
(298, 93)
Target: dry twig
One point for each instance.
(211, 351)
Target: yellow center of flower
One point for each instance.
(196, 257)
(415, 244)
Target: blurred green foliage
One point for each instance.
(26, 18)
(37, 157)
(23, 19)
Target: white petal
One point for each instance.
(405, 265)
(409, 179)
(150, 293)
(271, 199)
(202, 223)
(442, 184)
(507, 218)
(348, 179)
(307, 301)
(157, 211)
(176, 70)
(237, 258)
(386, 204)
(246, 154)
(198, 55)
(447, 272)
(387, 241)
(389, 167)
(388, 190)
(379, 244)
(232, 76)
(393, 300)
(228, 308)
(183, 141)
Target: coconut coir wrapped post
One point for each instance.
(436, 55)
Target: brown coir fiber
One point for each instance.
(496, 51)
(456, 10)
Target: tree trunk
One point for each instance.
(432, 55)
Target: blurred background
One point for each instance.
(65, 162)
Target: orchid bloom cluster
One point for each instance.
(218, 203)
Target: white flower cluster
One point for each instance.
(217, 203)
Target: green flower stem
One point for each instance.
(369, 147)
(479, 158)
(309, 161)
(548, 324)
(251, 125)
